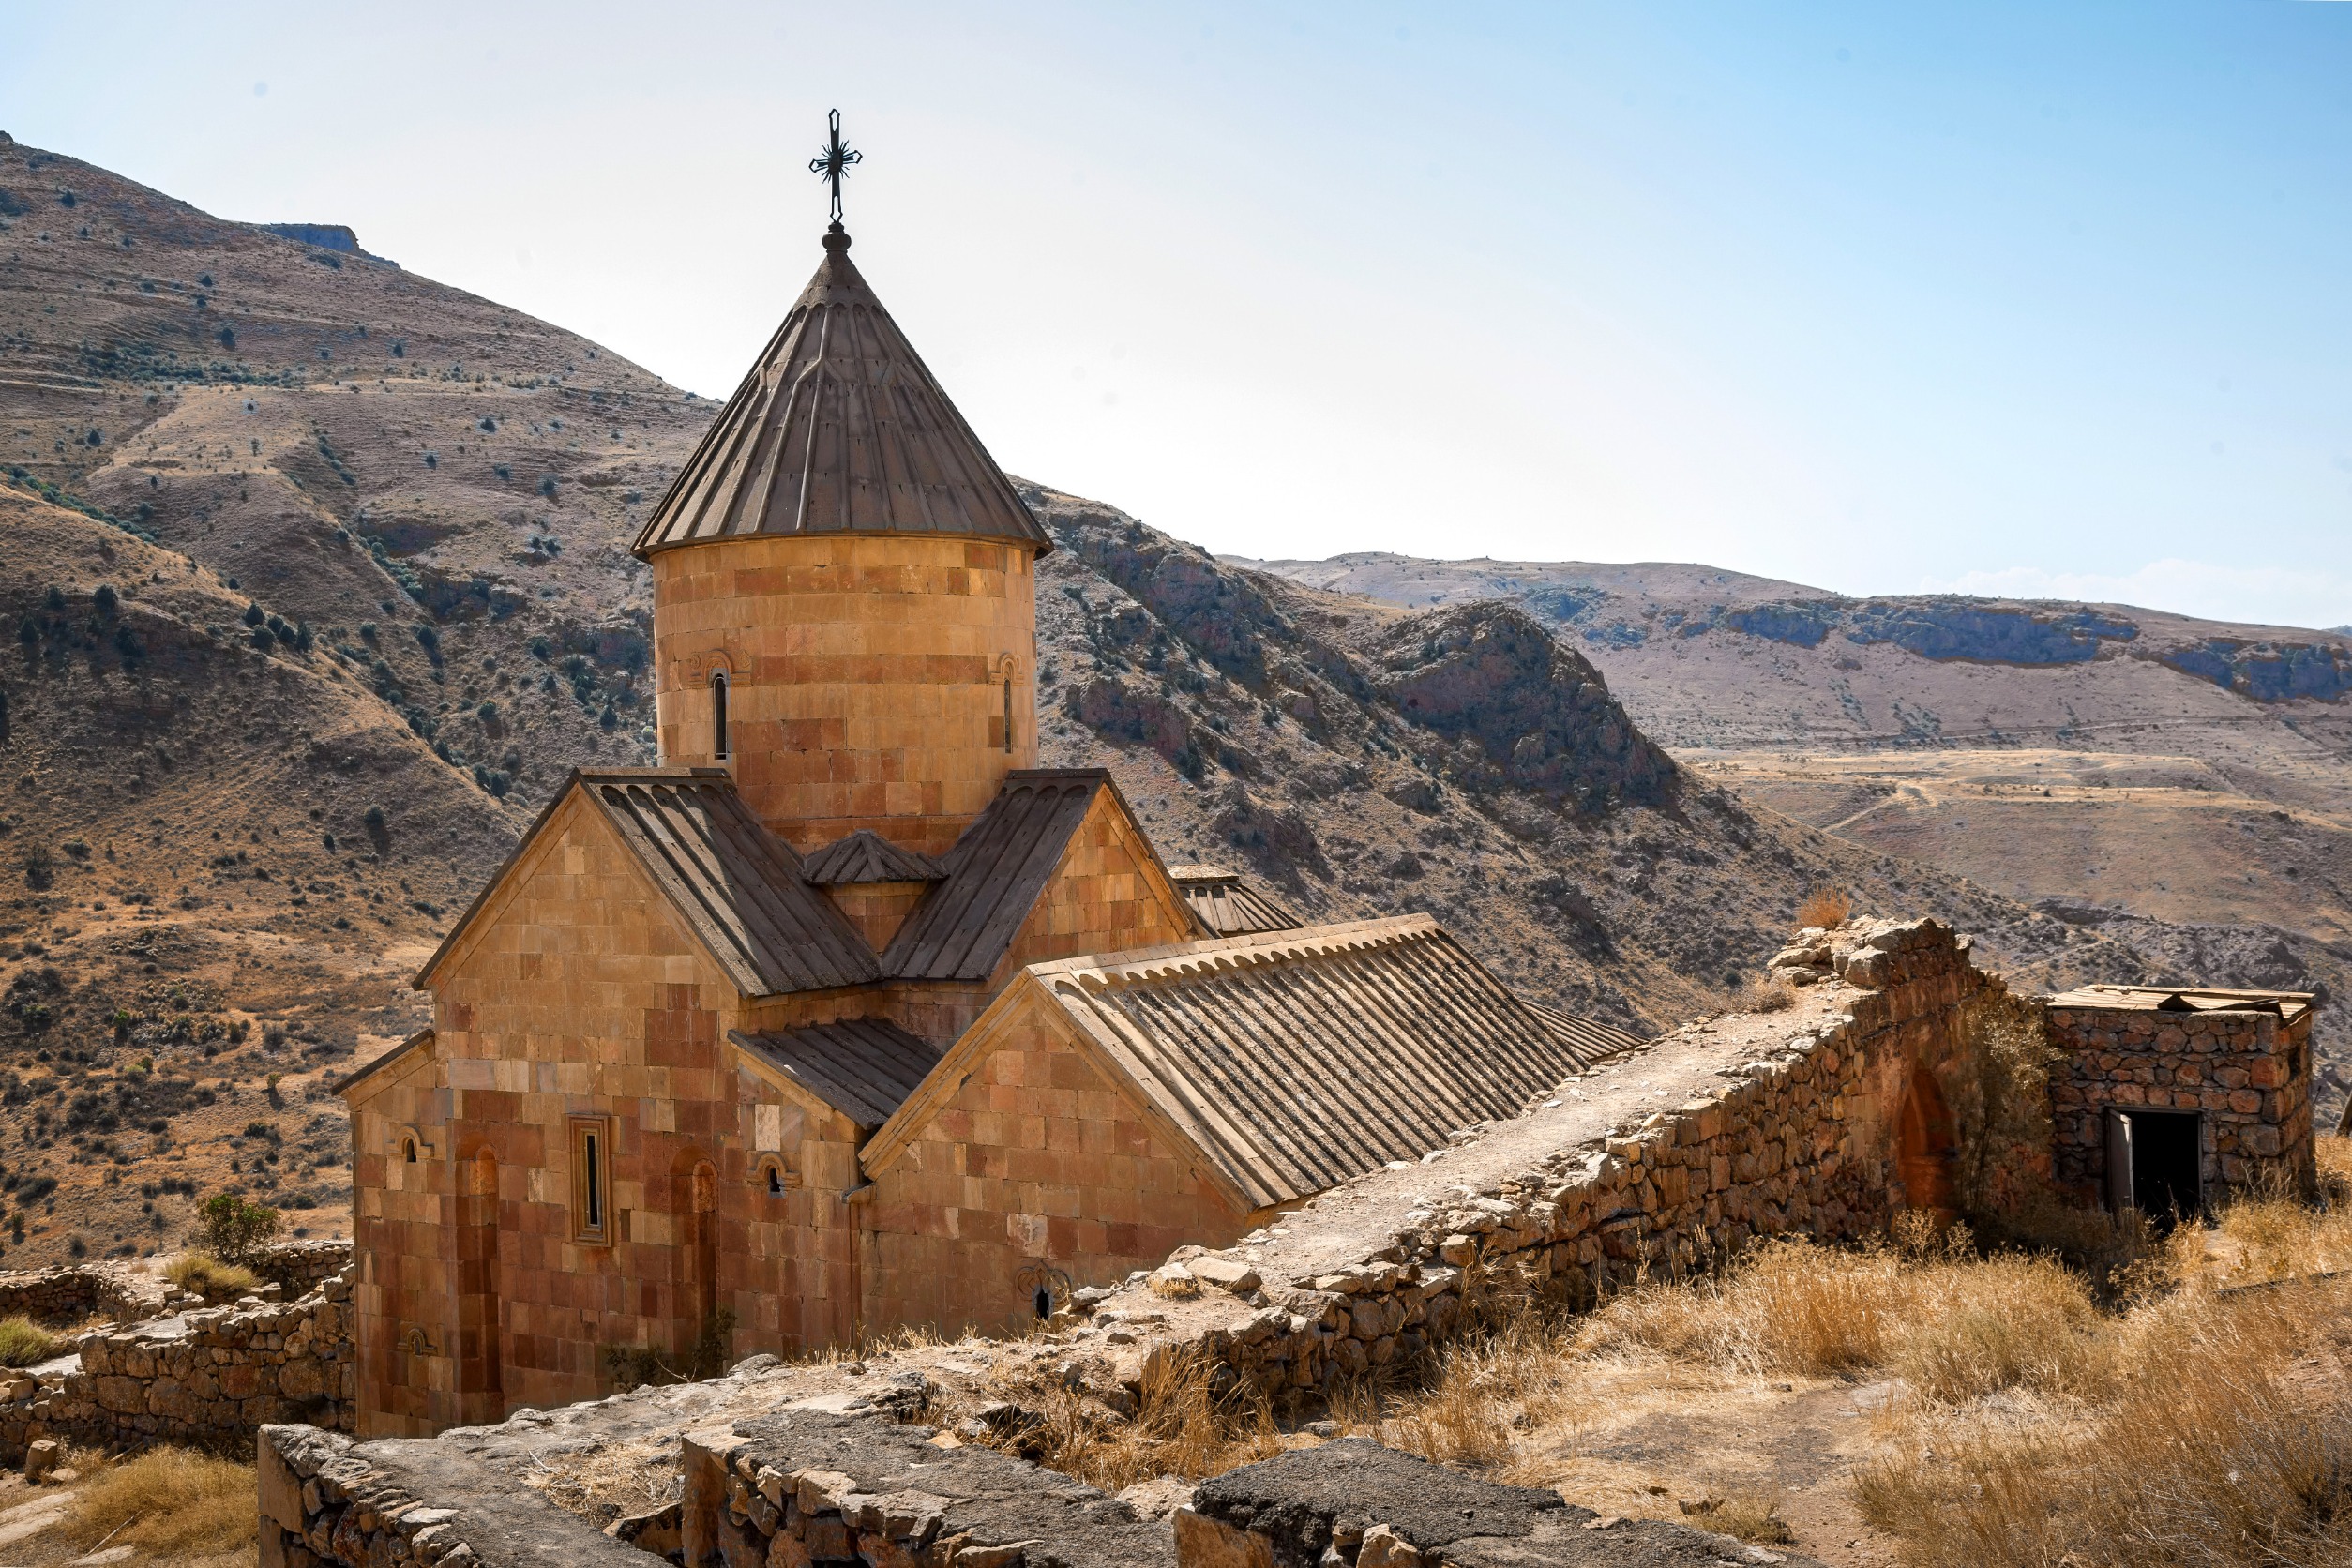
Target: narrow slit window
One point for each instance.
(1008, 713)
(592, 1178)
(718, 715)
(408, 1147)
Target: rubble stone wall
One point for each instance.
(205, 1377)
(300, 1267)
(70, 1294)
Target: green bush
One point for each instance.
(234, 1229)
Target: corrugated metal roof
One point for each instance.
(1297, 1059)
(864, 1068)
(1226, 904)
(867, 856)
(964, 926)
(735, 884)
(1589, 1037)
(2185, 999)
(839, 428)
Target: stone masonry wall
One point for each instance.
(67, 1295)
(201, 1377)
(2248, 1072)
(1805, 1142)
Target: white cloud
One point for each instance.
(2268, 595)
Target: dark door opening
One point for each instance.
(2155, 1163)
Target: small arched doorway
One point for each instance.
(1925, 1148)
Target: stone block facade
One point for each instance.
(870, 678)
(2240, 1061)
(575, 994)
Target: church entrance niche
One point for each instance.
(476, 1350)
(2156, 1163)
(1925, 1148)
(706, 1325)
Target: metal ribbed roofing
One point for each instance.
(864, 1068)
(839, 428)
(1589, 1037)
(1297, 1059)
(737, 886)
(964, 926)
(867, 856)
(1226, 904)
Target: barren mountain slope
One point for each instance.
(219, 855)
(2085, 758)
(353, 445)
(348, 607)
(1366, 760)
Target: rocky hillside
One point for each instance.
(1367, 759)
(319, 580)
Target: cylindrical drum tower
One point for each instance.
(845, 589)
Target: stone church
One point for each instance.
(848, 1017)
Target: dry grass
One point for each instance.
(206, 1275)
(1826, 906)
(2229, 1443)
(24, 1342)
(168, 1501)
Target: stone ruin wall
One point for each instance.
(2249, 1073)
(1806, 1142)
(209, 1375)
(126, 1293)
(1806, 1139)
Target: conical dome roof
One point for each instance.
(839, 428)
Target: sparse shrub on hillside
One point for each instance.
(227, 337)
(1825, 907)
(104, 598)
(234, 1229)
(38, 871)
(433, 459)
(547, 486)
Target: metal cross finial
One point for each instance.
(835, 161)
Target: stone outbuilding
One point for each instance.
(2164, 1099)
(847, 1016)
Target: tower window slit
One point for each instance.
(1008, 714)
(718, 715)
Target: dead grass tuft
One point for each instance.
(204, 1274)
(1826, 906)
(24, 1342)
(167, 1501)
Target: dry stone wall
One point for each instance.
(1804, 1140)
(210, 1376)
(70, 1294)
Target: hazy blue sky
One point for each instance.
(2011, 298)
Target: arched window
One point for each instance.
(408, 1149)
(719, 714)
(773, 1177)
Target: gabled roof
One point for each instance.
(735, 886)
(839, 428)
(867, 856)
(1291, 1060)
(864, 1068)
(1228, 905)
(964, 926)
(421, 1041)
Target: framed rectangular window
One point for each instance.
(591, 1179)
